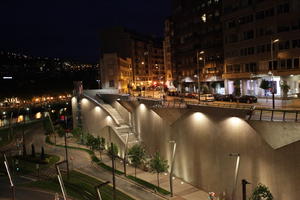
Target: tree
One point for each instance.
(90, 139)
(285, 88)
(265, 86)
(101, 146)
(137, 156)
(158, 165)
(77, 132)
(59, 130)
(32, 150)
(261, 192)
(113, 151)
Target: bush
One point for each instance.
(261, 192)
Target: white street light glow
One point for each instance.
(7, 77)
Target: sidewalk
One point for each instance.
(182, 190)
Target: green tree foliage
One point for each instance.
(101, 146)
(137, 156)
(77, 132)
(265, 86)
(47, 126)
(113, 150)
(261, 192)
(158, 165)
(285, 88)
(59, 130)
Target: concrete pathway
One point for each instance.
(182, 190)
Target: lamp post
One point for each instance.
(198, 69)
(60, 179)
(9, 176)
(172, 166)
(244, 188)
(272, 68)
(97, 187)
(237, 165)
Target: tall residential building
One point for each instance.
(116, 72)
(255, 34)
(197, 43)
(145, 52)
(169, 70)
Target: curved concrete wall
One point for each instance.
(206, 137)
(97, 122)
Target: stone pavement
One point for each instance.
(182, 190)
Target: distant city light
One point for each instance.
(7, 77)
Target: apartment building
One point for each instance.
(261, 42)
(197, 44)
(116, 72)
(145, 52)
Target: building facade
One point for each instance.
(145, 52)
(197, 44)
(116, 72)
(168, 64)
(255, 34)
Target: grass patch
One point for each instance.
(109, 168)
(27, 165)
(79, 186)
(7, 136)
(149, 185)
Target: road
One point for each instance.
(22, 193)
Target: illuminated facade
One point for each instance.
(116, 72)
(249, 32)
(145, 52)
(197, 28)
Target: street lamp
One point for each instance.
(9, 176)
(60, 179)
(237, 165)
(272, 68)
(198, 68)
(97, 187)
(172, 166)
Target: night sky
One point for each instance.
(70, 29)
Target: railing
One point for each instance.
(265, 114)
(181, 103)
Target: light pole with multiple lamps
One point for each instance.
(172, 166)
(198, 69)
(272, 68)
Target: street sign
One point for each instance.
(37, 166)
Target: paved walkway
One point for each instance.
(182, 190)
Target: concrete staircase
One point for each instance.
(122, 128)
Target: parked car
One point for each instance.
(218, 97)
(227, 97)
(190, 95)
(206, 97)
(247, 99)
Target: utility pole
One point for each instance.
(113, 170)
(198, 69)
(172, 166)
(244, 188)
(272, 69)
(66, 148)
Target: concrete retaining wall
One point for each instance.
(205, 137)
